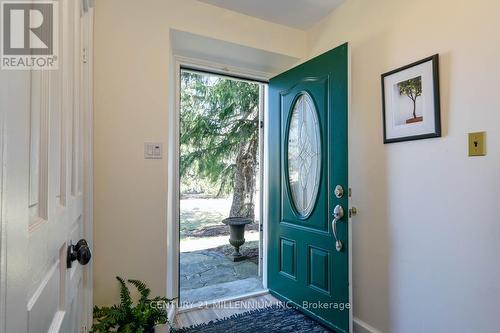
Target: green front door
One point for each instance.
(307, 163)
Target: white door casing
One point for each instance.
(46, 192)
(220, 57)
(173, 200)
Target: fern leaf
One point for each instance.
(126, 300)
(142, 288)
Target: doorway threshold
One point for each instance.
(221, 301)
(200, 296)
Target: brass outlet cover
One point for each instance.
(477, 142)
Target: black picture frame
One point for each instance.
(437, 109)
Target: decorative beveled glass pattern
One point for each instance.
(304, 154)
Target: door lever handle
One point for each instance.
(338, 214)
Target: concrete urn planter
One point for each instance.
(237, 234)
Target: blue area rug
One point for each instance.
(271, 319)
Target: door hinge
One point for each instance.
(84, 55)
(84, 329)
(262, 124)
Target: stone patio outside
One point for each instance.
(209, 275)
(206, 271)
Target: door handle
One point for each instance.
(338, 214)
(80, 251)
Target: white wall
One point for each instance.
(132, 56)
(426, 240)
(427, 237)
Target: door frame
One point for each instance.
(172, 259)
(87, 86)
(173, 195)
(349, 181)
(3, 238)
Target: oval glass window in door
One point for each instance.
(304, 154)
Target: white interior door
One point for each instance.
(46, 186)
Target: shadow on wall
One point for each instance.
(376, 265)
(444, 89)
(371, 238)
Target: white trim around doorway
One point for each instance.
(173, 197)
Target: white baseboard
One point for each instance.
(362, 327)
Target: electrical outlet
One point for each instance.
(477, 144)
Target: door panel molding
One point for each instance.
(290, 224)
(45, 301)
(319, 259)
(39, 147)
(288, 258)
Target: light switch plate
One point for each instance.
(152, 150)
(477, 144)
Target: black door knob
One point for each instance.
(80, 252)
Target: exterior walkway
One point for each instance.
(209, 275)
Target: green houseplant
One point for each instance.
(128, 317)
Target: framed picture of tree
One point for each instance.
(410, 101)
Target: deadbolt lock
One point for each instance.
(339, 191)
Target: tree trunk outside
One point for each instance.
(244, 180)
